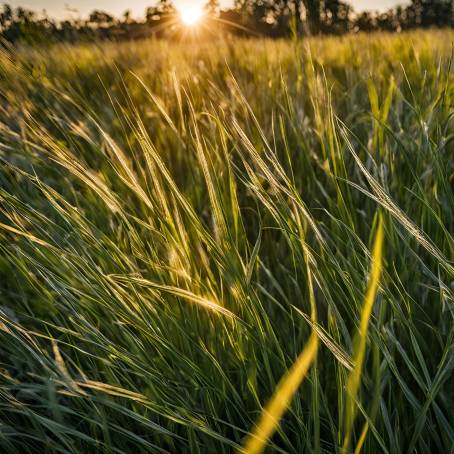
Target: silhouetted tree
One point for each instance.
(312, 14)
(365, 22)
(387, 21)
(427, 13)
(336, 16)
(100, 18)
(127, 16)
(151, 14)
(6, 16)
(265, 17)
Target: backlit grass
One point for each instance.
(187, 241)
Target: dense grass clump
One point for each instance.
(188, 229)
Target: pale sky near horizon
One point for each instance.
(63, 8)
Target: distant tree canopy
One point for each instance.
(101, 18)
(274, 18)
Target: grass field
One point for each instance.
(184, 225)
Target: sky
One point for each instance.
(60, 9)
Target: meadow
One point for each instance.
(188, 229)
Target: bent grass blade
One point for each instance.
(354, 379)
(288, 385)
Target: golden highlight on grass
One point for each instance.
(280, 401)
(27, 235)
(290, 382)
(361, 439)
(359, 349)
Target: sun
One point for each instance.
(191, 14)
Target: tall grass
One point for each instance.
(179, 220)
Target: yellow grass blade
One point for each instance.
(289, 383)
(278, 404)
(362, 437)
(25, 234)
(354, 379)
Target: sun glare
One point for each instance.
(191, 14)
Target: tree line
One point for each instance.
(274, 18)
